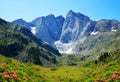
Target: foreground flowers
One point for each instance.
(115, 76)
(7, 74)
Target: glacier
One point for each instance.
(66, 48)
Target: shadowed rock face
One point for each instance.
(60, 21)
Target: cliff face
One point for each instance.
(74, 25)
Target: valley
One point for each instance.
(59, 49)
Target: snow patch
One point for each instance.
(113, 30)
(94, 33)
(33, 30)
(68, 48)
(65, 47)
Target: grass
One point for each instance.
(35, 73)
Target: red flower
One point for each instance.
(7, 76)
(114, 76)
(3, 65)
(118, 73)
(14, 76)
(5, 73)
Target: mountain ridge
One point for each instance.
(73, 28)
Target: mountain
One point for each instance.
(105, 25)
(74, 25)
(24, 23)
(73, 29)
(65, 33)
(18, 42)
(95, 45)
(46, 28)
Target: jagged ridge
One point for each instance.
(70, 30)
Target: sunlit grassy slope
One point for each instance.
(109, 72)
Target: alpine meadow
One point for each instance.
(65, 46)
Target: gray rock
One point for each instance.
(48, 28)
(105, 25)
(60, 20)
(73, 26)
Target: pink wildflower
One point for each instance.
(14, 75)
(7, 76)
(113, 76)
(3, 65)
(5, 73)
(118, 73)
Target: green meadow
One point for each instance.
(88, 72)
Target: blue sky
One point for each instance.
(31, 9)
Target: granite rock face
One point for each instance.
(48, 28)
(73, 26)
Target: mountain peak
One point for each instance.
(23, 22)
(60, 16)
(78, 14)
(19, 21)
(51, 16)
(71, 13)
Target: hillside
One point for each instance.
(95, 45)
(15, 71)
(18, 42)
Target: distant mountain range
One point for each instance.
(65, 33)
